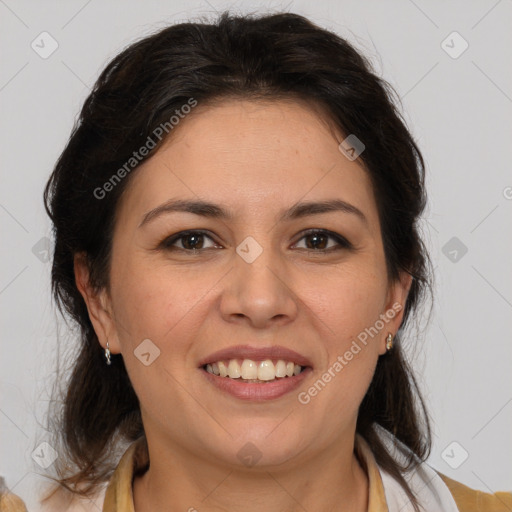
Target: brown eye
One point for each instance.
(189, 241)
(323, 241)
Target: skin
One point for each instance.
(255, 159)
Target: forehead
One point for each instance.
(251, 155)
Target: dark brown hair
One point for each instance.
(279, 56)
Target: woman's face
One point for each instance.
(264, 272)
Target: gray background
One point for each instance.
(459, 111)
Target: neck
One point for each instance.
(177, 481)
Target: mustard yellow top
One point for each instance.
(119, 497)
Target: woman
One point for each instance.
(236, 237)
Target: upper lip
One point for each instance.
(274, 352)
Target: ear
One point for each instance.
(395, 305)
(98, 305)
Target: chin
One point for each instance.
(268, 444)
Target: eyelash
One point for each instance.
(343, 243)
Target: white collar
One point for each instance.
(432, 493)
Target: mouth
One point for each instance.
(255, 374)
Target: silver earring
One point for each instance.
(107, 354)
(389, 342)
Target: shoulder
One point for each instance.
(54, 498)
(58, 501)
(471, 500)
(11, 503)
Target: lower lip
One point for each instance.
(257, 392)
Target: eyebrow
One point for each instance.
(211, 210)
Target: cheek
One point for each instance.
(347, 310)
(346, 298)
(164, 309)
(147, 299)
(164, 305)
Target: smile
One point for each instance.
(251, 371)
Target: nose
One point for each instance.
(259, 293)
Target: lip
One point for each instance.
(273, 353)
(257, 392)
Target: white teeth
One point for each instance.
(266, 370)
(249, 369)
(223, 369)
(253, 371)
(233, 369)
(280, 369)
